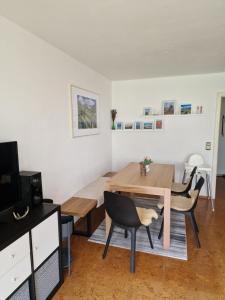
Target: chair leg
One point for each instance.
(209, 192)
(133, 246)
(195, 223)
(108, 241)
(161, 230)
(125, 234)
(197, 242)
(149, 236)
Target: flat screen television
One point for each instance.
(9, 175)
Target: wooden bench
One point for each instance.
(82, 208)
(76, 206)
(86, 209)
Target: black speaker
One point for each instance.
(30, 188)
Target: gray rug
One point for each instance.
(178, 245)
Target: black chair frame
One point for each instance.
(130, 225)
(185, 192)
(190, 214)
(188, 187)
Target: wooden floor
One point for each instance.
(201, 277)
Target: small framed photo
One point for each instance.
(119, 125)
(185, 109)
(138, 125)
(128, 126)
(147, 111)
(159, 124)
(169, 107)
(148, 125)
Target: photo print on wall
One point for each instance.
(169, 107)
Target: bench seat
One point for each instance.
(77, 206)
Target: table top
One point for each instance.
(159, 176)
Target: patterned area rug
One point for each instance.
(178, 246)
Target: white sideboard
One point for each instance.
(30, 255)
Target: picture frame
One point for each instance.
(168, 107)
(185, 109)
(138, 125)
(128, 126)
(158, 124)
(119, 125)
(148, 125)
(85, 112)
(147, 111)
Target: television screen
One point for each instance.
(9, 175)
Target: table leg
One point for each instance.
(166, 235)
(108, 222)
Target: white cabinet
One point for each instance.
(14, 253)
(37, 239)
(45, 239)
(13, 278)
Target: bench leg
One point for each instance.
(89, 224)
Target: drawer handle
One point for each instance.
(13, 256)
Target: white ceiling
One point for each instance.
(128, 39)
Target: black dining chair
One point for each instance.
(125, 215)
(186, 205)
(183, 188)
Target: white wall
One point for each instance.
(183, 135)
(221, 148)
(35, 83)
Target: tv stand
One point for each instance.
(30, 255)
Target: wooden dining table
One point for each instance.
(157, 182)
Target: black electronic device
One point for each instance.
(31, 188)
(9, 176)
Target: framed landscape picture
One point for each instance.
(148, 125)
(119, 125)
(138, 125)
(169, 107)
(159, 124)
(185, 109)
(85, 112)
(128, 125)
(147, 111)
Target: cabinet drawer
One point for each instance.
(45, 239)
(11, 280)
(14, 253)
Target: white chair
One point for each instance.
(203, 169)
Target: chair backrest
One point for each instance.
(199, 184)
(197, 190)
(121, 210)
(193, 172)
(195, 160)
(189, 181)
